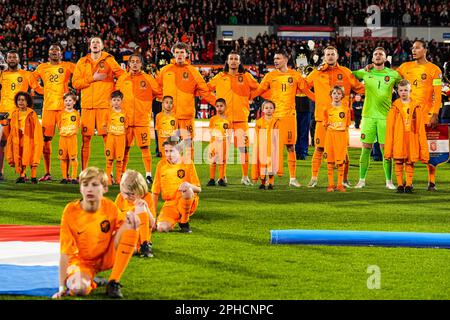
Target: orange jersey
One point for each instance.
(405, 133)
(183, 83)
(236, 90)
(165, 124)
(70, 122)
(138, 92)
(426, 84)
(25, 141)
(125, 205)
(324, 79)
(168, 178)
(86, 235)
(219, 127)
(11, 83)
(96, 94)
(116, 123)
(56, 82)
(281, 88)
(337, 118)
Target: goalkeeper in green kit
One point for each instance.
(379, 83)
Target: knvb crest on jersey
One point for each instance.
(61, 70)
(438, 144)
(181, 173)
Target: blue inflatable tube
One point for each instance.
(361, 238)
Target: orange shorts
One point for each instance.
(241, 134)
(91, 268)
(336, 146)
(187, 128)
(92, 119)
(218, 151)
(141, 134)
(115, 147)
(68, 148)
(50, 119)
(320, 135)
(170, 212)
(287, 128)
(6, 129)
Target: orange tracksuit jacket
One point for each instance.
(236, 90)
(96, 95)
(183, 83)
(405, 133)
(138, 92)
(31, 144)
(324, 79)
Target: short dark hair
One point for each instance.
(167, 97)
(180, 45)
(424, 44)
(268, 101)
(136, 55)
(55, 44)
(27, 96)
(13, 52)
(117, 94)
(70, 94)
(221, 100)
(283, 53)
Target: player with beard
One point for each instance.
(12, 81)
(55, 76)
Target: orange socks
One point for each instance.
(126, 158)
(144, 227)
(64, 168)
(341, 173)
(85, 151)
(221, 171)
(119, 166)
(33, 171)
(292, 162)
(212, 171)
(147, 158)
(244, 163)
(74, 163)
(184, 206)
(399, 173)
(47, 155)
(330, 174)
(409, 168)
(109, 165)
(316, 162)
(124, 253)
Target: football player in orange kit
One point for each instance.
(179, 186)
(323, 79)
(165, 124)
(68, 142)
(406, 141)
(138, 90)
(12, 81)
(116, 124)
(337, 120)
(134, 195)
(95, 236)
(235, 85)
(55, 76)
(219, 127)
(426, 84)
(24, 145)
(94, 75)
(183, 82)
(281, 86)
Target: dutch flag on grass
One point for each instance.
(29, 259)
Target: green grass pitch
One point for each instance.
(228, 255)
